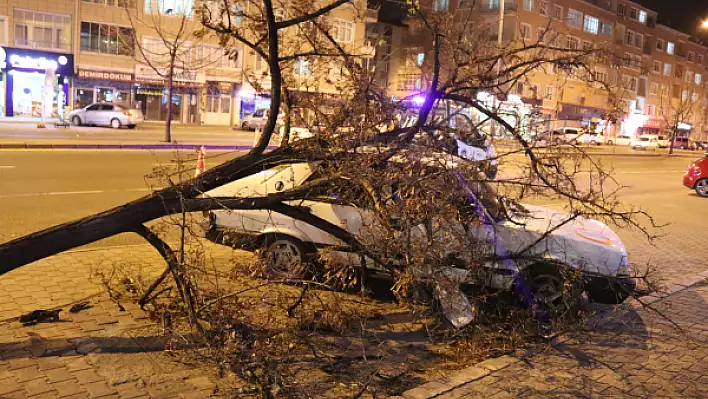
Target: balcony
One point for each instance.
(493, 6)
(43, 45)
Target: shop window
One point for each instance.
(107, 39)
(114, 3)
(42, 30)
(225, 104)
(83, 98)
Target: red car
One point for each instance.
(696, 176)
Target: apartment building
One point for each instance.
(646, 59)
(70, 53)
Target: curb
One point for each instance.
(488, 367)
(166, 146)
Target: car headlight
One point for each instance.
(624, 269)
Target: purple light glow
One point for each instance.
(418, 100)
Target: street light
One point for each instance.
(704, 25)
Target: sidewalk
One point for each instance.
(99, 352)
(634, 354)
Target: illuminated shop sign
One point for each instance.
(39, 60)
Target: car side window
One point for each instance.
(106, 107)
(93, 107)
(258, 113)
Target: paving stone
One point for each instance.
(37, 387)
(99, 389)
(87, 377)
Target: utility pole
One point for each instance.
(500, 39)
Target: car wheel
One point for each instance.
(701, 188)
(552, 292)
(244, 126)
(131, 126)
(285, 258)
(76, 120)
(609, 142)
(115, 123)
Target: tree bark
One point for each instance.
(170, 89)
(128, 217)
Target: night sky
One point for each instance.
(683, 15)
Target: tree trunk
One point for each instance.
(170, 88)
(126, 218)
(673, 137)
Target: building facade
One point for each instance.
(657, 73)
(70, 53)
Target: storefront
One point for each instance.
(218, 103)
(251, 100)
(151, 95)
(35, 83)
(91, 86)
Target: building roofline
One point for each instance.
(672, 30)
(656, 13)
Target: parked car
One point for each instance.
(255, 120)
(645, 143)
(662, 141)
(107, 114)
(701, 145)
(621, 140)
(586, 245)
(683, 143)
(591, 138)
(696, 176)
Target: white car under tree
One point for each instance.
(555, 240)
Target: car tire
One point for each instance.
(551, 291)
(76, 120)
(286, 258)
(131, 126)
(609, 142)
(701, 188)
(115, 123)
(244, 126)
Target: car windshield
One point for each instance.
(644, 139)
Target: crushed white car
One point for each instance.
(581, 244)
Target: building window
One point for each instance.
(621, 9)
(442, 5)
(541, 32)
(600, 76)
(302, 67)
(575, 18)
(691, 56)
(660, 43)
(528, 5)
(629, 38)
(214, 57)
(543, 8)
(606, 29)
(642, 16)
(525, 30)
(657, 67)
(694, 97)
(116, 3)
(557, 12)
(667, 69)
(572, 43)
(41, 30)
(107, 39)
(699, 59)
(670, 46)
(218, 103)
(698, 78)
(170, 7)
(689, 76)
(684, 95)
(535, 91)
(520, 88)
(258, 63)
(587, 46)
(639, 40)
(591, 25)
(651, 110)
(408, 82)
(629, 82)
(550, 91)
(343, 31)
(633, 13)
(419, 59)
(653, 88)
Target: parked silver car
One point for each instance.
(255, 120)
(107, 114)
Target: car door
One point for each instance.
(105, 114)
(91, 115)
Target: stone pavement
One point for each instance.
(98, 352)
(633, 354)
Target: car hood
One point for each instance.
(581, 242)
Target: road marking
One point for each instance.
(52, 193)
(7, 167)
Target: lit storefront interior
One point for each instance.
(36, 83)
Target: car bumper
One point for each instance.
(689, 181)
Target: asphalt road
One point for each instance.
(39, 189)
